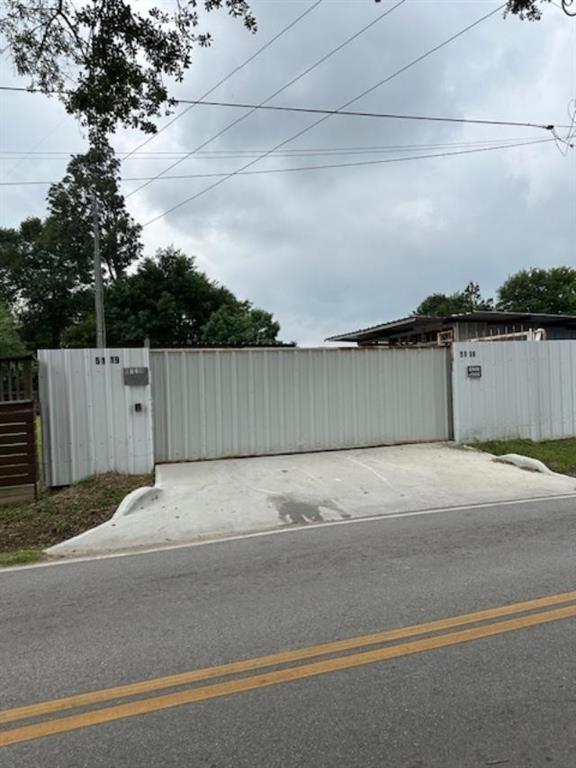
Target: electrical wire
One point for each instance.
(297, 135)
(20, 89)
(343, 113)
(287, 85)
(381, 115)
(37, 144)
(237, 69)
(565, 143)
(268, 171)
(289, 153)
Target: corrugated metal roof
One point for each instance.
(403, 321)
(406, 323)
(508, 316)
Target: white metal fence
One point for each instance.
(92, 420)
(218, 403)
(514, 389)
(98, 416)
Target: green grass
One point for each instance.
(558, 455)
(20, 557)
(29, 527)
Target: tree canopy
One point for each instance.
(47, 277)
(46, 267)
(70, 204)
(546, 291)
(109, 61)
(168, 300)
(10, 341)
(44, 282)
(468, 300)
(550, 291)
(240, 324)
(532, 9)
(526, 9)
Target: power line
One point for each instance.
(384, 115)
(363, 163)
(357, 164)
(283, 88)
(297, 135)
(37, 144)
(237, 69)
(289, 153)
(337, 112)
(26, 90)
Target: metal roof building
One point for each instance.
(428, 330)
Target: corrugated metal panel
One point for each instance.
(217, 403)
(89, 421)
(527, 389)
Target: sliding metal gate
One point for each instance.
(218, 403)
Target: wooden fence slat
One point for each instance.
(26, 479)
(23, 430)
(23, 449)
(14, 429)
(8, 451)
(5, 419)
(21, 438)
(13, 438)
(17, 419)
(22, 476)
(16, 465)
(8, 463)
(16, 412)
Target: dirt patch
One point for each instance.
(59, 515)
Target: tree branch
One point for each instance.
(51, 20)
(79, 42)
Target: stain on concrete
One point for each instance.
(297, 511)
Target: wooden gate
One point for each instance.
(18, 475)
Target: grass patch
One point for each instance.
(20, 557)
(59, 515)
(558, 455)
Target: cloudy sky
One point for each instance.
(337, 249)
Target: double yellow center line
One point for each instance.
(340, 656)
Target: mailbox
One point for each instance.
(136, 377)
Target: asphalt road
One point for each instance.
(490, 690)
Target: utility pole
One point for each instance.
(98, 288)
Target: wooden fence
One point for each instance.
(18, 466)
